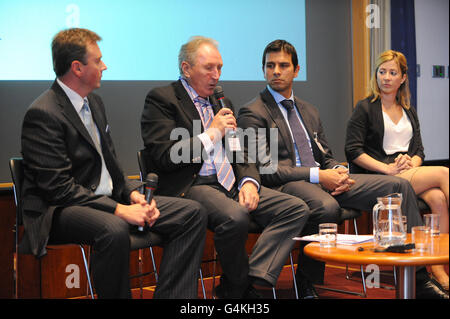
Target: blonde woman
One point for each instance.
(383, 136)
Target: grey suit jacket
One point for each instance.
(62, 166)
(263, 112)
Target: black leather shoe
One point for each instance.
(226, 290)
(220, 292)
(251, 293)
(427, 289)
(306, 289)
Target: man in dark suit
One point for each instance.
(75, 191)
(183, 128)
(305, 166)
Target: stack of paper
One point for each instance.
(342, 239)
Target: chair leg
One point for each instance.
(203, 285)
(363, 280)
(293, 279)
(141, 292)
(347, 274)
(154, 264)
(214, 275)
(395, 276)
(87, 271)
(293, 275)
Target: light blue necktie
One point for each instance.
(105, 185)
(224, 170)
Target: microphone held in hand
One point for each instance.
(151, 182)
(220, 97)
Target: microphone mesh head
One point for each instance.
(152, 180)
(218, 92)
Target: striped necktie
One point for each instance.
(224, 170)
(105, 186)
(303, 148)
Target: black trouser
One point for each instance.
(182, 223)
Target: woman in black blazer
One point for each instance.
(383, 136)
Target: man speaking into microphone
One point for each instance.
(230, 192)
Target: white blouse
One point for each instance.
(397, 136)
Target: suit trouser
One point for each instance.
(282, 217)
(182, 223)
(362, 196)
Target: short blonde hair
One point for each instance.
(403, 94)
(188, 51)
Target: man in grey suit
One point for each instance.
(230, 192)
(306, 167)
(75, 191)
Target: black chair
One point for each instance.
(17, 175)
(138, 240)
(142, 175)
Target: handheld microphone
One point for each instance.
(151, 182)
(220, 97)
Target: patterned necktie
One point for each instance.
(224, 170)
(105, 186)
(303, 148)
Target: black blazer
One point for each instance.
(263, 112)
(169, 110)
(365, 133)
(62, 166)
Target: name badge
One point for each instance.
(234, 144)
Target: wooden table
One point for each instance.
(405, 262)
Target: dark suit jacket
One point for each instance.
(62, 165)
(166, 109)
(365, 133)
(263, 112)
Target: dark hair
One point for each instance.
(70, 45)
(281, 45)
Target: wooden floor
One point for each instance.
(334, 278)
(380, 300)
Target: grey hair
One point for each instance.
(188, 51)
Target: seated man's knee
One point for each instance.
(236, 222)
(195, 210)
(115, 232)
(198, 211)
(329, 211)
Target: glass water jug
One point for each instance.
(388, 228)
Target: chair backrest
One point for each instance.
(17, 175)
(142, 166)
